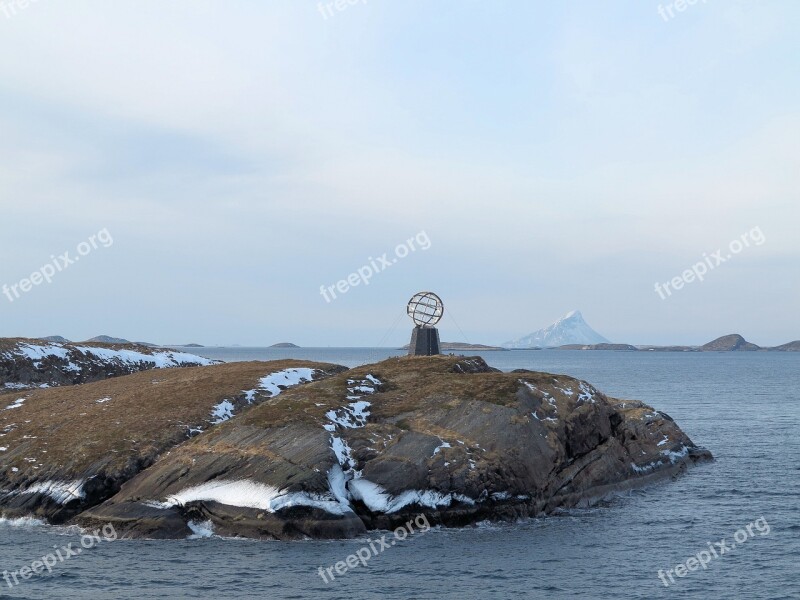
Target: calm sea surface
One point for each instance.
(744, 407)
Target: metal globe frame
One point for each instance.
(425, 309)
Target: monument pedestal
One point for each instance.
(424, 341)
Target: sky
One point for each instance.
(218, 168)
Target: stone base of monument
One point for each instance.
(424, 341)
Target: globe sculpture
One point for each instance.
(426, 310)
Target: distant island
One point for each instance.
(284, 345)
(571, 332)
(727, 343)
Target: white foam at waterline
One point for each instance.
(22, 522)
(200, 530)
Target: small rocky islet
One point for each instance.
(295, 449)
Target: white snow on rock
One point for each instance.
(163, 359)
(16, 386)
(443, 445)
(286, 378)
(337, 483)
(273, 384)
(250, 494)
(351, 416)
(222, 412)
(62, 492)
(355, 414)
(343, 452)
(377, 499)
(586, 393)
(37, 353)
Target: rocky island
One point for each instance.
(27, 363)
(294, 449)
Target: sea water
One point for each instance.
(744, 407)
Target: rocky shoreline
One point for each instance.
(293, 449)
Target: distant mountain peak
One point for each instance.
(569, 329)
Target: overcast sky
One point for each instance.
(241, 154)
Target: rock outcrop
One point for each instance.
(375, 445)
(66, 449)
(28, 364)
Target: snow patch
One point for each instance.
(351, 416)
(161, 359)
(586, 393)
(63, 492)
(444, 445)
(343, 452)
(222, 412)
(274, 382)
(250, 494)
(377, 499)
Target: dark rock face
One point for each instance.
(34, 363)
(376, 445)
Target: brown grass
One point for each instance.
(66, 430)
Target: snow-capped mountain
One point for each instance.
(570, 329)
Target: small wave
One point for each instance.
(21, 522)
(201, 530)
